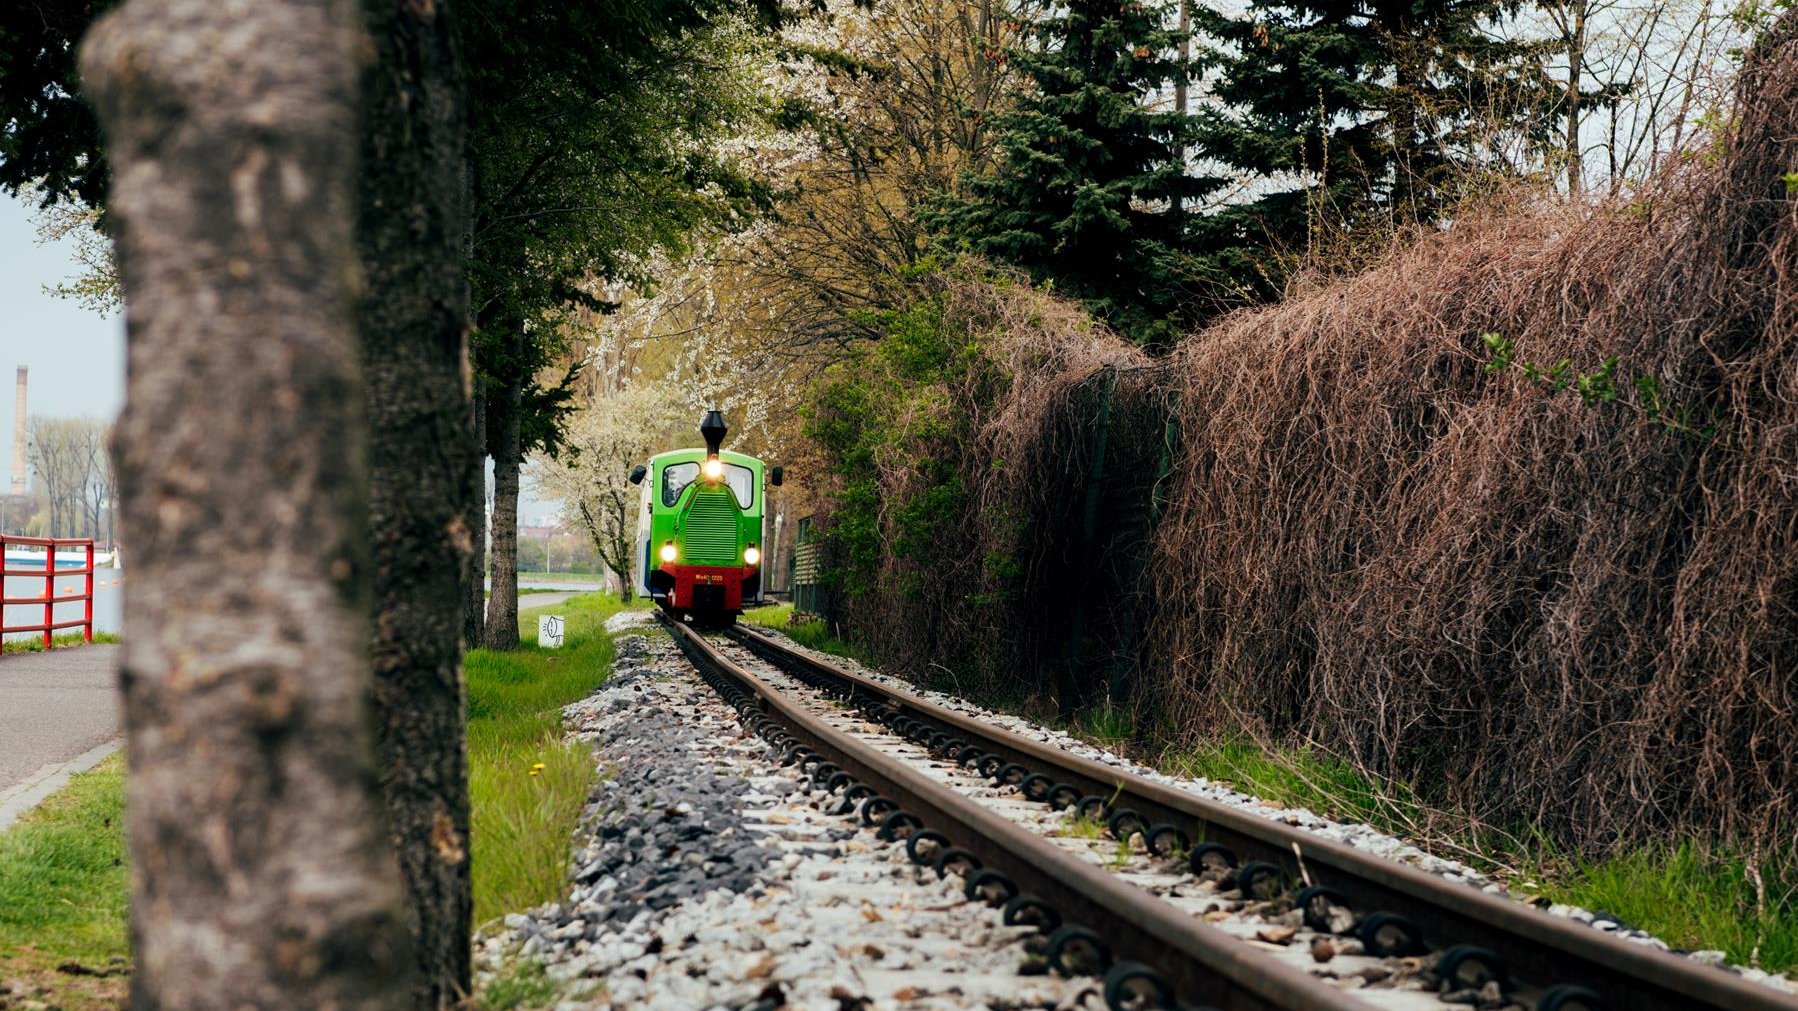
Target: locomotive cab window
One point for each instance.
(677, 476)
(675, 479)
(742, 484)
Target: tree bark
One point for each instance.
(414, 321)
(261, 876)
(502, 598)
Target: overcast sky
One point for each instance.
(76, 356)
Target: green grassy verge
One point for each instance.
(810, 634)
(63, 885)
(1690, 894)
(527, 786)
(35, 644)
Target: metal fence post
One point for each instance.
(87, 626)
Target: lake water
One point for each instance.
(109, 596)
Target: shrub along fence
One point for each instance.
(1512, 517)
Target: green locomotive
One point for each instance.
(700, 528)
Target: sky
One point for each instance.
(76, 356)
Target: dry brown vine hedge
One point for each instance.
(1528, 605)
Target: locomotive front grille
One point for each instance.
(711, 532)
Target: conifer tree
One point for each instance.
(1350, 113)
(1087, 191)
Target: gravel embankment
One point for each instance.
(707, 878)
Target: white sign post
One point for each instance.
(549, 631)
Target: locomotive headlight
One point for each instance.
(670, 552)
(714, 468)
(752, 555)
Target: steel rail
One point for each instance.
(1538, 949)
(1204, 965)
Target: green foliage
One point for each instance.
(895, 407)
(1357, 117)
(594, 145)
(63, 877)
(1597, 387)
(1086, 191)
(51, 143)
(527, 786)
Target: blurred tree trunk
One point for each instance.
(414, 321)
(261, 872)
(502, 599)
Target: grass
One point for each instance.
(1691, 895)
(35, 643)
(527, 785)
(810, 634)
(63, 886)
(521, 984)
(1303, 778)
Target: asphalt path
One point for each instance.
(59, 705)
(529, 601)
(54, 706)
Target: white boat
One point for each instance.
(66, 558)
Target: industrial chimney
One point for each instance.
(18, 437)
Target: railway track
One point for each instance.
(1478, 949)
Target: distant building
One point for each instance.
(18, 437)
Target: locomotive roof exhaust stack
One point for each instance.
(714, 431)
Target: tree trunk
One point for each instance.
(1181, 83)
(613, 546)
(261, 874)
(414, 318)
(502, 599)
(474, 599)
(1576, 68)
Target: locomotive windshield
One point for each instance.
(677, 476)
(675, 479)
(742, 483)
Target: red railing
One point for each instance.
(50, 574)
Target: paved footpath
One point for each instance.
(55, 707)
(60, 710)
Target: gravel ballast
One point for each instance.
(705, 877)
